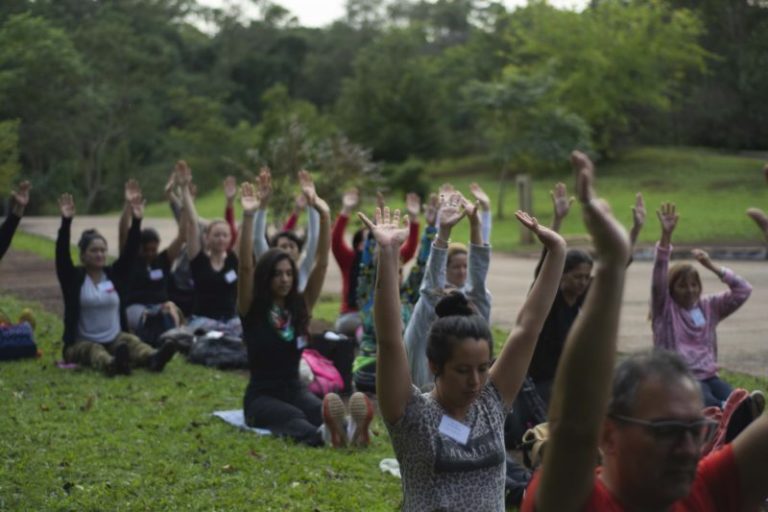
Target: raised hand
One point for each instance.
(307, 187)
(471, 209)
(412, 205)
(638, 212)
(248, 199)
(321, 206)
(446, 189)
(182, 174)
(387, 230)
(136, 204)
(170, 186)
(760, 218)
(264, 191)
(192, 190)
(561, 203)
(546, 236)
(230, 188)
(667, 217)
(67, 206)
(380, 203)
(480, 196)
(131, 190)
(431, 208)
(21, 197)
(350, 200)
(450, 210)
(701, 256)
(608, 235)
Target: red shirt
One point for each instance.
(716, 488)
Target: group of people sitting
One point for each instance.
(453, 410)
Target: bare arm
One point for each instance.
(579, 404)
(20, 198)
(393, 379)
(245, 256)
(509, 370)
(131, 191)
(638, 221)
(750, 449)
(183, 180)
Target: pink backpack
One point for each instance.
(327, 377)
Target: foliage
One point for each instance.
(609, 60)
(9, 152)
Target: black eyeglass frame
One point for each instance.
(680, 427)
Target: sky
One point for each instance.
(318, 13)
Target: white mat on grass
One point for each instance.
(236, 418)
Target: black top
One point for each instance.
(552, 338)
(148, 284)
(273, 361)
(71, 278)
(7, 230)
(215, 292)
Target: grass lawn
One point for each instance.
(75, 440)
(712, 190)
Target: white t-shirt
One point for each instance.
(99, 311)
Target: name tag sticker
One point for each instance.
(156, 274)
(301, 342)
(230, 276)
(214, 335)
(106, 286)
(698, 317)
(456, 430)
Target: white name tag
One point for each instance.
(698, 317)
(230, 276)
(156, 274)
(301, 342)
(456, 430)
(106, 286)
(214, 335)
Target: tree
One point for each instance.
(395, 102)
(610, 59)
(9, 153)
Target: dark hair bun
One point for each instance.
(454, 304)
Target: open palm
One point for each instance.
(387, 230)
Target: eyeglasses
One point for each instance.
(671, 431)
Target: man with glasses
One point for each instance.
(648, 426)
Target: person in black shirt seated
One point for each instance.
(214, 267)
(94, 322)
(275, 317)
(149, 312)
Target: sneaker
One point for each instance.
(121, 362)
(361, 411)
(160, 358)
(333, 417)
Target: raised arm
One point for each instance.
(342, 252)
(131, 191)
(299, 205)
(509, 370)
(124, 263)
(659, 286)
(184, 181)
(393, 380)
(263, 194)
(316, 277)
(638, 221)
(485, 210)
(250, 203)
(479, 261)
(583, 380)
(230, 191)
(413, 208)
(739, 290)
(750, 449)
(20, 199)
(64, 265)
(561, 205)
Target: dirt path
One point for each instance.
(743, 344)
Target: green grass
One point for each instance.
(712, 190)
(75, 440)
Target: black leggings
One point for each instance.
(291, 411)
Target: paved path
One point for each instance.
(743, 337)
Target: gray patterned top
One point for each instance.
(439, 474)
